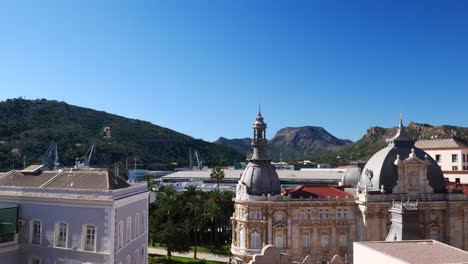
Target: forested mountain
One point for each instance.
(30, 125)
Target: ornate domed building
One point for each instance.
(307, 220)
(402, 172)
(400, 193)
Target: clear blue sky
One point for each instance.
(202, 67)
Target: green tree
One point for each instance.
(217, 174)
(167, 226)
(194, 207)
(150, 181)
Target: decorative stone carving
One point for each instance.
(412, 175)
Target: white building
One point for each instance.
(72, 216)
(450, 154)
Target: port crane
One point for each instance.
(86, 159)
(50, 159)
(198, 157)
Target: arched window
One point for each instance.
(35, 260)
(255, 240)
(242, 238)
(137, 224)
(128, 233)
(120, 234)
(142, 222)
(136, 257)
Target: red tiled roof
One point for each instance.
(318, 191)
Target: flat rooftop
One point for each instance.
(78, 179)
(417, 251)
(332, 175)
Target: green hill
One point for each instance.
(30, 125)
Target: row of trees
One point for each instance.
(179, 220)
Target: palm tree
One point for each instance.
(217, 174)
(167, 227)
(194, 207)
(148, 178)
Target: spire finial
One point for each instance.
(259, 109)
(401, 120)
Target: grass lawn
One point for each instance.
(158, 259)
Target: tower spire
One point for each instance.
(259, 140)
(400, 136)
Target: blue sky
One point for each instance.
(202, 67)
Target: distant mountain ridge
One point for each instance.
(315, 143)
(374, 140)
(293, 143)
(30, 126)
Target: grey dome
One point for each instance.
(381, 170)
(261, 178)
(352, 176)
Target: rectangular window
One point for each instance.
(309, 214)
(279, 240)
(464, 158)
(454, 157)
(90, 238)
(252, 214)
(324, 240)
(326, 214)
(338, 213)
(259, 214)
(321, 214)
(437, 157)
(61, 235)
(434, 233)
(454, 168)
(342, 240)
(36, 232)
(306, 240)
